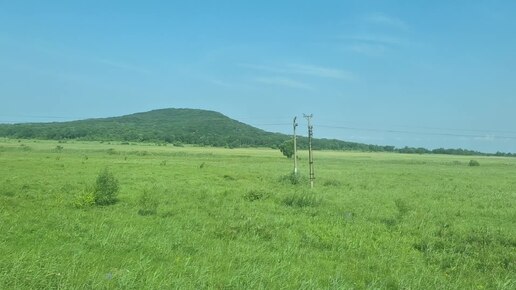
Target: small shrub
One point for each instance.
(301, 200)
(111, 151)
(390, 222)
(106, 188)
(59, 148)
(473, 163)
(84, 199)
(148, 203)
(402, 206)
(253, 195)
(349, 216)
(7, 189)
(293, 178)
(332, 182)
(25, 148)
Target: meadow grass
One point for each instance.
(194, 218)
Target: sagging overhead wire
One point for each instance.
(487, 135)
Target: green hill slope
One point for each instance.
(189, 126)
(165, 125)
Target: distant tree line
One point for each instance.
(197, 127)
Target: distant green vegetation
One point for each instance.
(174, 126)
(190, 126)
(205, 218)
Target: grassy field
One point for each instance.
(232, 219)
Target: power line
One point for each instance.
(414, 132)
(418, 133)
(446, 129)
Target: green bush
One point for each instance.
(253, 195)
(58, 148)
(332, 182)
(111, 151)
(473, 163)
(402, 206)
(293, 178)
(6, 189)
(106, 188)
(304, 199)
(148, 203)
(84, 199)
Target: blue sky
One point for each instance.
(416, 73)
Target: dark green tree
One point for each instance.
(287, 148)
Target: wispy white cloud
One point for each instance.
(379, 33)
(386, 21)
(226, 84)
(283, 81)
(122, 66)
(485, 138)
(379, 39)
(373, 44)
(71, 55)
(57, 75)
(367, 49)
(305, 69)
(273, 69)
(220, 83)
(323, 72)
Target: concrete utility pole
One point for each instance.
(295, 147)
(310, 154)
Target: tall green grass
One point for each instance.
(382, 221)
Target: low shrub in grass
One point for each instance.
(254, 194)
(303, 199)
(473, 163)
(106, 188)
(332, 182)
(84, 199)
(7, 190)
(293, 178)
(148, 203)
(111, 151)
(402, 206)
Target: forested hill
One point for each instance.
(188, 126)
(177, 126)
(166, 125)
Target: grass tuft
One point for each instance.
(148, 202)
(332, 182)
(254, 195)
(303, 199)
(293, 178)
